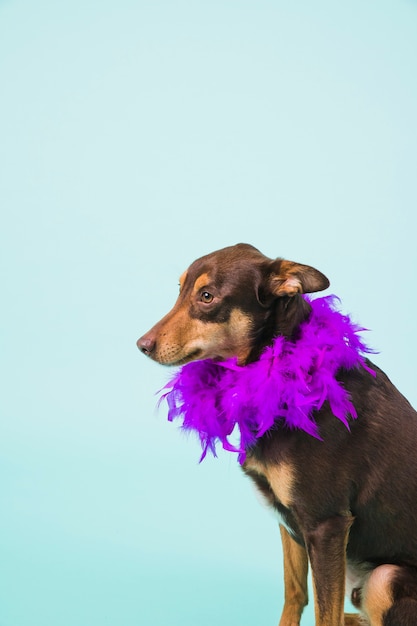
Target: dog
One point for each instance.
(347, 501)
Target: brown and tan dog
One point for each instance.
(348, 503)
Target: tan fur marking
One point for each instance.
(354, 619)
(286, 283)
(281, 479)
(295, 578)
(239, 321)
(240, 326)
(377, 593)
(203, 336)
(201, 281)
(217, 339)
(183, 278)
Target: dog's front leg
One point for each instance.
(295, 580)
(326, 547)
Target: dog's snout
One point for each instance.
(146, 344)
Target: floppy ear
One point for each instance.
(288, 279)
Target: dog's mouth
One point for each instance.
(192, 356)
(198, 355)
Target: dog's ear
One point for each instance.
(287, 279)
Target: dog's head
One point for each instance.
(231, 304)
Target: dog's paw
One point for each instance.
(290, 618)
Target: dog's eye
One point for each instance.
(206, 297)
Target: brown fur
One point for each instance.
(348, 504)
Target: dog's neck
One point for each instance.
(283, 318)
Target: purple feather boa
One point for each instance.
(290, 381)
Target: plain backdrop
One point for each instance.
(136, 136)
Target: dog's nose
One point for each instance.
(146, 344)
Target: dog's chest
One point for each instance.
(274, 481)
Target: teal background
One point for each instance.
(136, 136)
